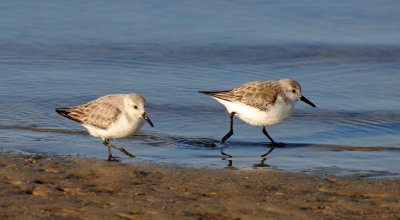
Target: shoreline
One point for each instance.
(39, 187)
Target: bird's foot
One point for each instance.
(113, 158)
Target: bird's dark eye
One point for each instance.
(135, 106)
(294, 91)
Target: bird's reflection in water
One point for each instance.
(263, 159)
(228, 158)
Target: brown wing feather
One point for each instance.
(101, 114)
(98, 114)
(66, 112)
(258, 94)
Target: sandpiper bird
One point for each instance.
(111, 116)
(260, 103)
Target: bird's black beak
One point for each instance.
(304, 99)
(144, 115)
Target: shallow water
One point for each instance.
(345, 56)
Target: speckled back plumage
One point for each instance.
(100, 113)
(258, 94)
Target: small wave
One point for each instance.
(199, 143)
(180, 54)
(33, 127)
(360, 117)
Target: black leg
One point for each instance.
(269, 137)
(266, 154)
(230, 133)
(110, 156)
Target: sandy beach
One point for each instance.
(43, 187)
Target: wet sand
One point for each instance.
(42, 187)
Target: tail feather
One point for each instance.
(204, 92)
(66, 112)
(213, 92)
(61, 111)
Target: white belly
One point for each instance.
(274, 115)
(122, 128)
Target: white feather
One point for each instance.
(121, 128)
(128, 123)
(275, 114)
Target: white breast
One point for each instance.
(121, 128)
(254, 116)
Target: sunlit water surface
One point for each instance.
(345, 55)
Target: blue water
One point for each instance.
(346, 56)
